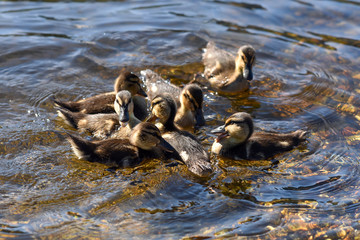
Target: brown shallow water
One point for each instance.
(307, 76)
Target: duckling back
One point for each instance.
(156, 85)
(144, 142)
(100, 125)
(113, 152)
(263, 145)
(102, 103)
(217, 60)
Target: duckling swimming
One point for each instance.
(225, 72)
(187, 147)
(102, 125)
(104, 103)
(124, 107)
(189, 100)
(237, 140)
(145, 142)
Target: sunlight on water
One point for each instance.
(306, 77)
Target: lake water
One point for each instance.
(307, 76)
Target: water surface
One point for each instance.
(306, 76)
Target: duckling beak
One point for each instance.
(151, 118)
(141, 92)
(247, 74)
(123, 116)
(220, 132)
(199, 117)
(165, 146)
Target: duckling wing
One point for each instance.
(117, 152)
(190, 151)
(156, 85)
(100, 125)
(217, 60)
(112, 152)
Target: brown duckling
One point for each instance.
(189, 100)
(104, 103)
(187, 146)
(225, 72)
(102, 125)
(145, 142)
(124, 107)
(237, 140)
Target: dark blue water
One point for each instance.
(307, 76)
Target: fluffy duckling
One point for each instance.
(225, 72)
(237, 140)
(124, 107)
(102, 125)
(104, 103)
(189, 100)
(187, 147)
(145, 142)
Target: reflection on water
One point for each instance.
(306, 76)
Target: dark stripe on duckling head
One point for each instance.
(249, 54)
(123, 97)
(241, 118)
(195, 94)
(191, 100)
(166, 98)
(133, 79)
(157, 100)
(140, 136)
(151, 129)
(122, 100)
(124, 79)
(130, 77)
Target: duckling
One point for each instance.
(237, 140)
(102, 125)
(189, 100)
(145, 142)
(104, 103)
(187, 146)
(124, 107)
(225, 72)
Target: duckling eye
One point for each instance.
(154, 134)
(155, 103)
(228, 123)
(243, 58)
(232, 122)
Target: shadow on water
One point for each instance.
(306, 77)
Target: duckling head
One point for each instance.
(244, 61)
(145, 136)
(237, 129)
(191, 98)
(124, 106)
(163, 107)
(129, 81)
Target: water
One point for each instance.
(306, 76)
